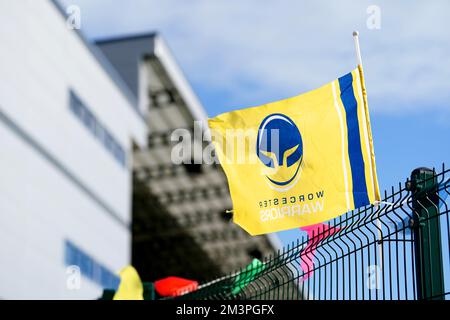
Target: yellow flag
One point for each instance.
(130, 287)
(299, 161)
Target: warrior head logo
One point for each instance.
(279, 147)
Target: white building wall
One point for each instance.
(57, 181)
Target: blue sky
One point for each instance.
(244, 53)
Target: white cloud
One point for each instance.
(259, 50)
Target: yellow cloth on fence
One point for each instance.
(130, 287)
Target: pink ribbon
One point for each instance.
(316, 234)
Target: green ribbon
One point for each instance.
(247, 275)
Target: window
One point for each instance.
(90, 121)
(90, 268)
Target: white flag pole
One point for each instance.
(377, 204)
(358, 50)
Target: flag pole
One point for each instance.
(357, 49)
(377, 204)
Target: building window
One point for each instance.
(90, 268)
(90, 121)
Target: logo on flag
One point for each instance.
(279, 147)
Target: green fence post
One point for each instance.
(427, 234)
(149, 291)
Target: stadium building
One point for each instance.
(87, 183)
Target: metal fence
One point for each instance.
(397, 249)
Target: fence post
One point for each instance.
(427, 234)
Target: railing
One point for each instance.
(397, 249)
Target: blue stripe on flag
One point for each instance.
(360, 197)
